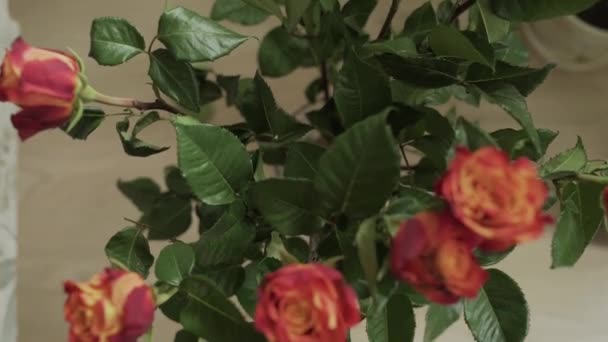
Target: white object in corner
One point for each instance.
(571, 43)
(8, 198)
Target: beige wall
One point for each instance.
(69, 206)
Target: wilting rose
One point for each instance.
(306, 303)
(43, 83)
(499, 200)
(433, 253)
(114, 306)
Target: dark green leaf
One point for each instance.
(209, 92)
(362, 90)
(173, 307)
(287, 204)
(268, 6)
(518, 144)
(144, 122)
(530, 10)
(447, 41)
(424, 72)
(302, 160)
(400, 46)
(226, 279)
(169, 218)
(414, 96)
(254, 273)
(472, 136)
(313, 90)
(176, 182)
(357, 12)
(210, 315)
(512, 50)
(500, 311)
(421, 22)
(281, 53)
(438, 319)
(410, 202)
(230, 84)
(114, 41)
(129, 250)
(445, 10)
(526, 80)
(568, 162)
(580, 219)
(237, 11)
(88, 123)
(185, 336)
(143, 192)
(215, 163)
(394, 323)
(494, 27)
(366, 247)
(174, 263)
(194, 38)
(297, 247)
(295, 10)
(132, 145)
(491, 258)
(174, 78)
(358, 173)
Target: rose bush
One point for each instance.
(377, 205)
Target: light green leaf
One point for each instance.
(213, 161)
(421, 22)
(531, 10)
(129, 250)
(194, 38)
(400, 46)
(394, 323)
(447, 41)
(581, 217)
(114, 41)
(281, 53)
(500, 311)
(366, 246)
(358, 173)
(471, 135)
(295, 10)
(174, 78)
(362, 90)
(254, 274)
(238, 12)
(175, 262)
(495, 28)
(439, 318)
(568, 162)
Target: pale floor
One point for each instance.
(69, 206)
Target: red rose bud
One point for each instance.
(434, 254)
(499, 200)
(114, 306)
(44, 83)
(305, 303)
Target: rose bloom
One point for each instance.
(499, 200)
(114, 306)
(43, 83)
(434, 254)
(306, 303)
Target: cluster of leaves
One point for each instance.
(342, 180)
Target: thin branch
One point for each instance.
(325, 81)
(404, 155)
(386, 27)
(461, 8)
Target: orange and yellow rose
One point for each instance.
(498, 199)
(44, 83)
(114, 306)
(306, 303)
(434, 254)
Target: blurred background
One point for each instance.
(69, 206)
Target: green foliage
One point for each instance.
(174, 78)
(115, 41)
(129, 250)
(175, 263)
(439, 318)
(529, 10)
(395, 322)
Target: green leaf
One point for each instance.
(447, 41)
(357, 12)
(414, 96)
(358, 173)
(169, 218)
(132, 145)
(268, 6)
(143, 192)
(526, 80)
(114, 41)
(287, 204)
(491, 258)
(495, 28)
(421, 22)
(366, 246)
(230, 84)
(297, 248)
(507, 97)
(129, 250)
(512, 50)
(394, 323)
(175, 78)
(472, 136)
(175, 262)
(568, 162)
(518, 144)
(362, 90)
(194, 38)
(400, 46)
(424, 72)
(183, 335)
(226, 279)
(176, 182)
(295, 10)
(581, 217)
(531, 10)
(500, 311)
(227, 241)
(209, 92)
(302, 160)
(254, 273)
(88, 123)
(410, 202)
(280, 53)
(439, 318)
(238, 12)
(213, 161)
(211, 316)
